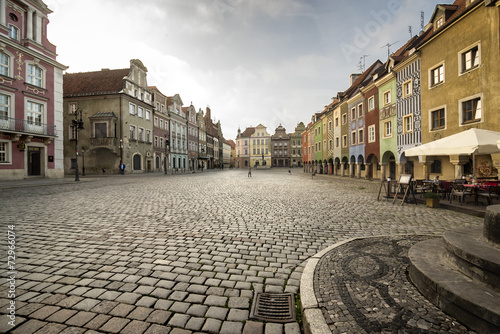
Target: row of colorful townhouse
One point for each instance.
(256, 148)
(120, 124)
(441, 82)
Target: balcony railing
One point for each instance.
(27, 127)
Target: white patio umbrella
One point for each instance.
(469, 142)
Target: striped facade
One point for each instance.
(409, 106)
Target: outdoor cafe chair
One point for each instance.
(421, 187)
(491, 193)
(444, 188)
(458, 190)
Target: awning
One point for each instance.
(464, 143)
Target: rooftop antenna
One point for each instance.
(422, 20)
(361, 65)
(388, 46)
(409, 28)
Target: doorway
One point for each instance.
(34, 161)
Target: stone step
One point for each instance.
(474, 304)
(473, 256)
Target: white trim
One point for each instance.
(430, 76)
(445, 118)
(12, 103)
(460, 110)
(370, 127)
(461, 70)
(405, 128)
(8, 151)
(384, 132)
(42, 69)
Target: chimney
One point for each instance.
(354, 77)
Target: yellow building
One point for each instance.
(460, 67)
(260, 148)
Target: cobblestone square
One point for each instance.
(183, 253)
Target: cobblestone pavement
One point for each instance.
(363, 288)
(185, 253)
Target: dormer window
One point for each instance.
(439, 22)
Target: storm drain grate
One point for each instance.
(273, 307)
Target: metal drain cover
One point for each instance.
(273, 307)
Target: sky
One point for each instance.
(251, 61)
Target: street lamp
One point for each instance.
(83, 160)
(167, 142)
(78, 125)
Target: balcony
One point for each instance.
(22, 126)
(108, 142)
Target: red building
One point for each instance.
(31, 85)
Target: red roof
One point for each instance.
(94, 83)
(248, 132)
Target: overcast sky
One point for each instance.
(252, 61)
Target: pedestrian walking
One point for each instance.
(249, 171)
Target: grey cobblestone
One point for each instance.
(151, 241)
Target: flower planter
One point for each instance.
(432, 202)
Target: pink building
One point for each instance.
(31, 82)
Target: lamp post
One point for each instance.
(167, 142)
(78, 125)
(83, 161)
(122, 169)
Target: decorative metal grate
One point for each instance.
(273, 307)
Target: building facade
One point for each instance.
(116, 108)
(161, 136)
(280, 148)
(296, 146)
(178, 134)
(31, 94)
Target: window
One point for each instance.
(336, 121)
(140, 112)
(387, 129)
(371, 133)
(148, 136)
(439, 22)
(34, 113)
(387, 97)
(148, 115)
(324, 144)
(353, 113)
(436, 167)
(5, 152)
(344, 141)
(337, 141)
(155, 122)
(470, 59)
(13, 32)
(344, 119)
(156, 141)
(438, 119)
(131, 109)
(407, 88)
(408, 123)
(4, 64)
(100, 130)
(361, 136)
(161, 142)
(353, 138)
(436, 75)
(34, 75)
(4, 106)
(371, 103)
(72, 132)
(471, 110)
(161, 124)
(360, 110)
(329, 126)
(132, 133)
(330, 144)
